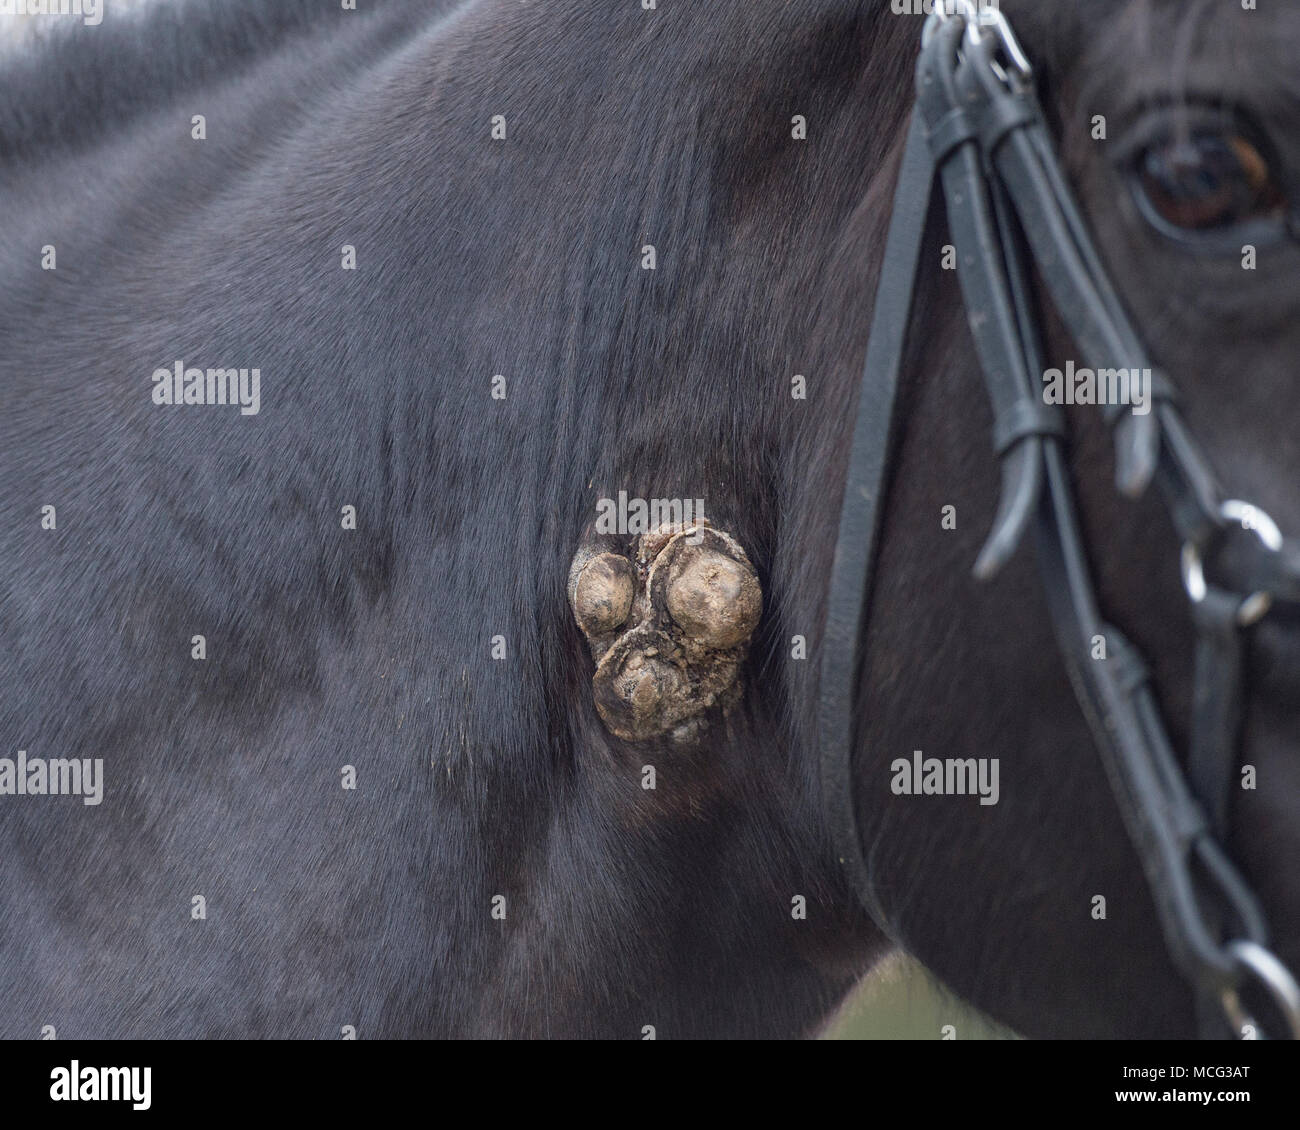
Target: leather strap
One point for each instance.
(863, 506)
(1216, 708)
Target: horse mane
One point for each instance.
(71, 83)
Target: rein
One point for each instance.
(978, 131)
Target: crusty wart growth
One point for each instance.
(669, 629)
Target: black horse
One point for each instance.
(492, 263)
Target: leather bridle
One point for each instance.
(977, 125)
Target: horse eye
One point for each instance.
(1208, 181)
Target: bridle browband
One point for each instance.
(978, 125)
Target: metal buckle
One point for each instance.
(1276, 979)
(1255, 607)
(943, 11)
(979, 15)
